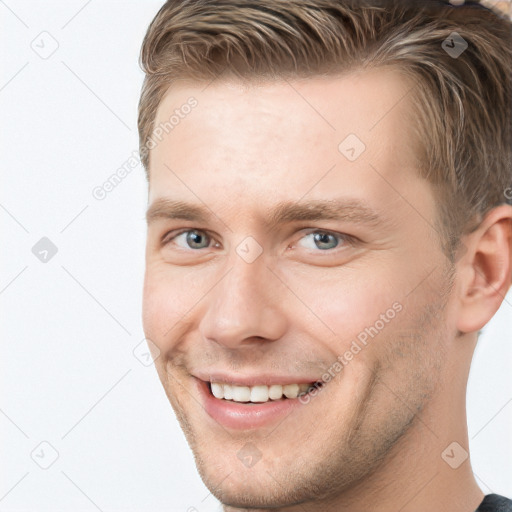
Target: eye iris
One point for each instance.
(194, 239)
(323, 238)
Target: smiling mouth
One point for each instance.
(261, 393)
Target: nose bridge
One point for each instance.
(242, 307)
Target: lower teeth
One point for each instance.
(254, 403)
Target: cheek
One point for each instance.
(349, 305)
(168, 299)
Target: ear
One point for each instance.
(485, 269)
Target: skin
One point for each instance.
(373, 438)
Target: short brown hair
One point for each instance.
(463, 104)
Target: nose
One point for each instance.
(244, 308)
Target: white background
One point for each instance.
(69, 376)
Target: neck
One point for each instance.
(429, 469)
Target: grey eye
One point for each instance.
(193, 239)
(320, 240)
(325, 240)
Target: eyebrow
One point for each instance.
(349, 210)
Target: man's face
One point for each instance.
(256, 294)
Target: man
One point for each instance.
(329, 227)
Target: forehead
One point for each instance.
(240, 135)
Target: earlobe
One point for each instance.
(486, 269)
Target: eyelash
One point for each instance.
(343, 238)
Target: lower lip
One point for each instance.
(236, 415)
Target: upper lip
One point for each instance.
(260, 379)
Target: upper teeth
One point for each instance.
(257, 393)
